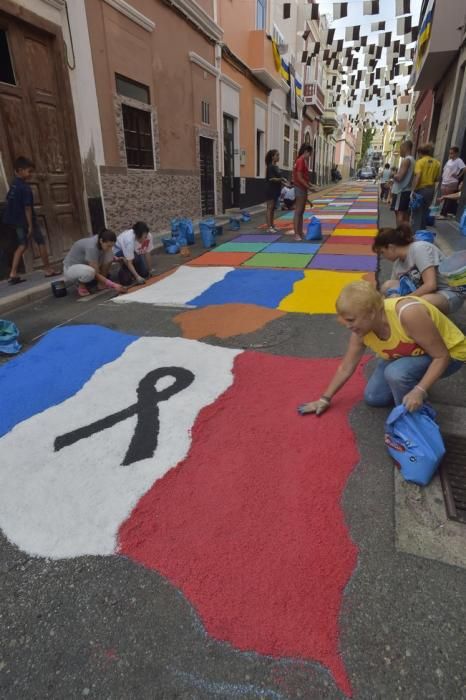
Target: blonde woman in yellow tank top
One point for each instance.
(415, 343)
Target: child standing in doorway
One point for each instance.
(19, 213)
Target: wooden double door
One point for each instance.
(36, 121)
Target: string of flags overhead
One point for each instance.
(354, 63)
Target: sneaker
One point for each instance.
(272, 229)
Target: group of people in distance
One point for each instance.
(415, 341)
(89, 260)
(419, 177)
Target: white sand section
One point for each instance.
(179, 288)
(72, 502)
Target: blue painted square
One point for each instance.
(261, 287)
(307, 248)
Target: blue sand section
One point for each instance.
(55, 369)
(260, 287)
(309, 248)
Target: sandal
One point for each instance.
(15, 280)
(83, 291)
(52, 274)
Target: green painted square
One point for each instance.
(286, 260)
(233, 247)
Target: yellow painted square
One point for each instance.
(369, 232)
(318, 291)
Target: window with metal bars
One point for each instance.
(205, 112)
(138, 137)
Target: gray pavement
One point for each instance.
(105, 627)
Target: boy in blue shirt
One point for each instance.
(19, 213)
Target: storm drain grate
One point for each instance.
(453, 476)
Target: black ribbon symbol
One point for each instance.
(144, 441)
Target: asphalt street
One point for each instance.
(106, 627)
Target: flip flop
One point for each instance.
(52, 274)
(15, 280)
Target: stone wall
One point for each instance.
(151, 196)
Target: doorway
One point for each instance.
(206, 148)
(36, 121)
(228, 162)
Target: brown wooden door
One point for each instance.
(35, 122)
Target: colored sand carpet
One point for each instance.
(270, 270)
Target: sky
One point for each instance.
(355, 18)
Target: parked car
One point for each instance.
(366, 174)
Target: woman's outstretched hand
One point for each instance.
(318, 407)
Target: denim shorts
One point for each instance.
(22, 235)
(455, 298)
(299, 192)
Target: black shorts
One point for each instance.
(22, 235)
(400, 201)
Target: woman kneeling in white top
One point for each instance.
(134, 247)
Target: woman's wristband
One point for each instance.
(326, 399)
(418, 386)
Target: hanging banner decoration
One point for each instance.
(403, 25)
(292, 102)
(330, 36)
(371, 7)
(352, 33)
(424, 37)
(276, 56)
(340, 10)
(286, 10)
(315, 11)
(385, 39)
(378, 27)
(403, 7)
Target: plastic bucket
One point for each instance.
(207, 234)
(59, 289)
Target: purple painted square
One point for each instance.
(365, 263)
(256, 238)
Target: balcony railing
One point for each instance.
(330, 119)
(313, 96)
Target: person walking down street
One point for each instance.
(426, 175)
(415, 343)
(19, 214)
(384, 182)
(273, 186)
(453, 172)
(90, 259)
(401, 186)
(133, 248)
(418, 261)
(302, 187)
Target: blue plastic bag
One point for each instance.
(427, 236)
(235, 224)
(414, 441)
(430, 219)
(314, 230)
(207, 229)
(171, 245)
(245, 216)
(9, 334)
(416, 201)
(463, 223)
(406, 286)
(186, 231)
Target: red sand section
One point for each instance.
(249, 526)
